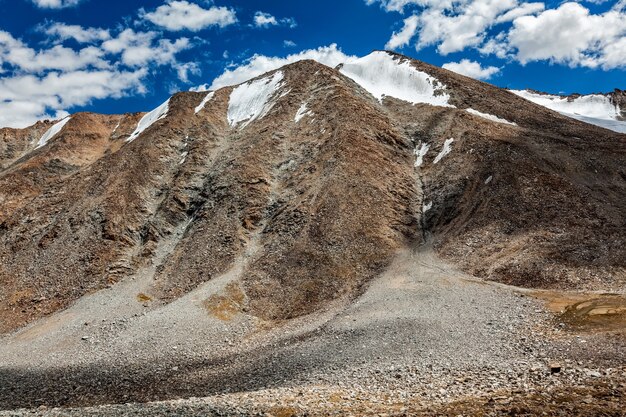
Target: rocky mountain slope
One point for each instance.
(245, 212)
(324, 177)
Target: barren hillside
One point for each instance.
(265, 212)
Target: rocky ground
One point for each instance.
(423, 339)
(572, 393)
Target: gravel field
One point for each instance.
(421, 335)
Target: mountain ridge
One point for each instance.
(133, 238)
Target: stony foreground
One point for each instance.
(466, 348)
(575, 392)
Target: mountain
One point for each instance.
(243, 217)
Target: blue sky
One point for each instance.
(60, 56)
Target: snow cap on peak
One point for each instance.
(253, 100)
(384, 74)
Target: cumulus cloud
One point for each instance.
(15, 53)
(62, 32)
(29, 98)
(619, 6)
(399, 5)
(472, 69)
(181, 15)
(260, 64)
(262, 19)
(140, 48)
(462, 26)
(265, 20)
(45, 82)
(523, 9)
(184, 70)
(56, 4)
(571, 35)
(70, 88)
(514, 29)
(497, 46)
(452, 25)
(403, 37)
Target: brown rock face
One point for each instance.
(618, 97)
(306, 212)
(15, 143)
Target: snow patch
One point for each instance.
(302, 111)
(488, 180)
(382, 75)
(489, 117)
(614, 125)
(447, 148)
(420, 153)
(52, 132)
(207, 98)
(184, 157)
(149, 119)
(117, 126)
(595, 109)
(427, 206)
(251, 101)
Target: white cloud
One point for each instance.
(20, 114)
(265, 20)
(289, 44)
(15, 53)
(260, 64)
(515, 29)
(452, 25)
(463, 26)
(139, 48)
(289, 21)
(56, 4)
(571, 35)
(402, 38)
(63, 32)
(472, 69)
(614, 55)
(44, 83)
(524, 9)
(399, 5)
(71, 88)
(496, 46)
(619, 6)
(29, 98)
(127, 39)
(183, 70)
(180, 15)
